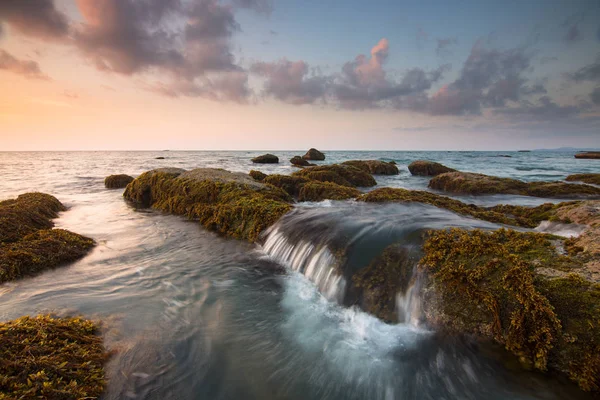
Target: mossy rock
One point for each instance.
(378, 284)
(587, 178)
(257, 175)
(47, 357)
(266, 159)
(232, 204)
(289, 183)
(319, 191)
(477, 184)
(39, 251)
(428, 168)
(495, 286)
(314, 154)
(529, 217)
(592, 155)
(300, 162)
(26, 214)
(374, 167)
(117, 181)
(345, 175)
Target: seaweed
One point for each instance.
(26, 214)
(257, 175)
(587, 178)
(345, 175)
(319, 191)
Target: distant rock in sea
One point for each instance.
(428, 168)
(593, 155)
(159, 158)
(117, 181)
(266, 159)
(375, 167)
(314, 154)
(300, 162)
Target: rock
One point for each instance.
(257, 175)
(524, 151)
(428, 168)
(48, 357)
(529, 217)
(159, 158)
(503, 155)
(476, 184)
(117, 181)
(266, 159)
(230, 203)
(314, 154)
(496, 287)
(345, 175)
(319, 191)
(28, 244)
(374, 167)
(290, 184)
(595, 155)
(587, 178)
(300, 162)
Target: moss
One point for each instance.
(51, 358)
(477, 184)
(488, 285)
(233, 208)
(257, 175)
(529, 217)
(26, 214)
(319, 191)
(428, 168)
(290, 184)
(117, 181)
(587, 178)
(380, 282)
(374, 167)
(345, 175)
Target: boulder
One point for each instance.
(595, 155)
(319, 191)
(476, 184)
(314, 154)
(300, 162)
(257, 175)
(345, 175)
(374, 167)
(428, 168)
(230, 203)
(117, 181)
(266, 159)
(587, 178)
(290, 184)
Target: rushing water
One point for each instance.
(195, 316)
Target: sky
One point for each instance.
(289, 75)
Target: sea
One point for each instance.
(189, 314)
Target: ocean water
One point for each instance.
(192, 315)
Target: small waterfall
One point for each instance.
(314, 261)
(408, 304)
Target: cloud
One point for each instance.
(229, 86)
(291, 81)
(443, 45)
(595, 96)
(26, 68)
(38, 18)
(261, 6)
(589, 72)
(573, 33)
(544, 109)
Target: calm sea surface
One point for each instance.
(196, 316)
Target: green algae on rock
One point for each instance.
(492, 285)
(345, 175)
(476, 184)
(48, 357)
(375, 167)
(117, 181)
(257, 175)
(428, 168)
(289, 183)
(232, 204)
(319, 191)
(587, 178)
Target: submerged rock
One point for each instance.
(428, 168)
(47, 357)
(314, 154)
(374, 167)
(476, 184)
(266, 159)
(230, 203)
(595, 155)
(28, 245)
(496, 286)
(299, 161)
(257, 175)
(345, 175)
(587, 178)
(159, 158)
(117, 181)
